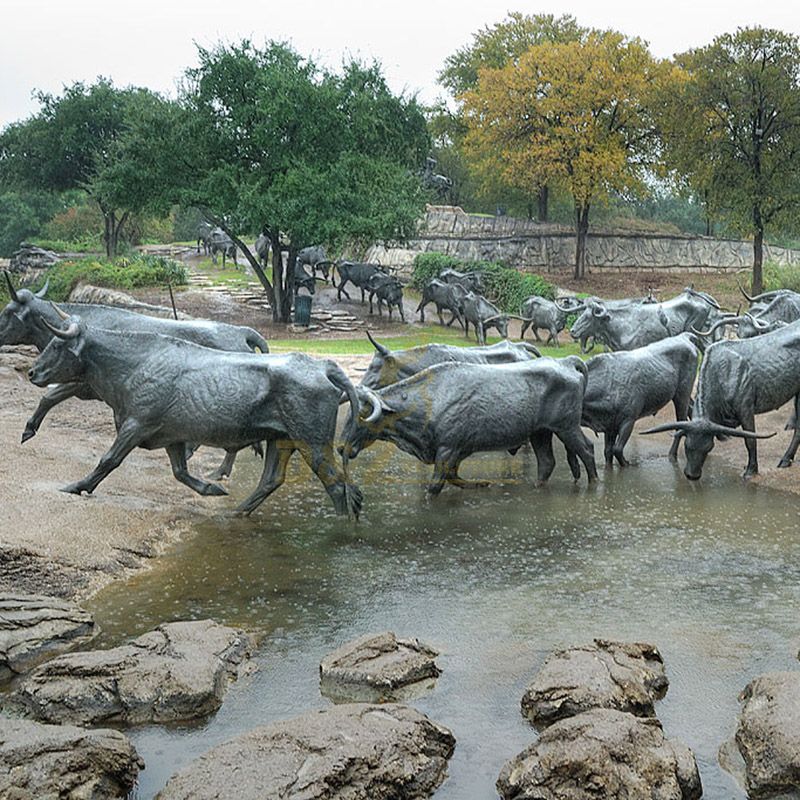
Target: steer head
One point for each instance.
(19, 319)
(588, 323)
(360, 432)
(700, 436)
(60, 361)
(383, 369)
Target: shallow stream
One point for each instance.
(495, 579)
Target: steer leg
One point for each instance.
(542, 442)
(622, 439)
(749, 424)
(453, 478)
(442, 467)
(54, 396)
(609, 437)
(577, 441)
(129, 436)
(346, 496)
(274, 474)
(177, 460)
(790, 453)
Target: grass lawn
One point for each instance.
(360, 345)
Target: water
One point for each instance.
(496, 579)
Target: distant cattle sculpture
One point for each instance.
(539, 312)
(302, 280)
(637, 325)
(390, 366)
(165, 392)
(447, 412)
(316, 258)
(386, 289)
(204, 236)
(625, 386)
(445, 296)
(220, 242)
(357, 273)
(471, 281)
(482, 315)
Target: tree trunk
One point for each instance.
(758, 251)
(544, 197)
(252, 259)
(279, 276)
(581, 233)
(288, 291)
(112, 230)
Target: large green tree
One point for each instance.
(262, 140)
(732, 127)
(71, 143)
(494, 47)
(575, 114)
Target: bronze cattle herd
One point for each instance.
(178, 385)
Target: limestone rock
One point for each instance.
(602, 753)
(346, 752)
(34, 627)
(61, 761)
(179, 671)
(99, 295)
(768, 734)
(619, 675)
(379, 664)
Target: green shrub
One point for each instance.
(77, 224)
(430, 265)
(90, 244)
(778, 277)
(505, 286)
(121, 273)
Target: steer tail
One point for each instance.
(255, 341)
(533, 350)
(337, 377)
(579, 366)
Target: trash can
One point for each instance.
(302, 310)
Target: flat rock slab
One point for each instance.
(618, 675)
(179, 671)
(768, 735)
(34, 628)
(347, 752)
(602, 754)
(39, 762)
(376, 664)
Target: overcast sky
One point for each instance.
(47, 44)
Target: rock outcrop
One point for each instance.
(768, 734)
(179, 671)
(99, 295)
(34, 627)
(61, 761)
(619, 675)
(378, 664)
(344, 752)
(602, 754)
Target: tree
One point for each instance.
(494, 47)
(576, 114)
(71, 143)
(264, 141)
(733, 129)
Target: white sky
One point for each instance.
(47, 44)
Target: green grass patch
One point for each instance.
(424, 335)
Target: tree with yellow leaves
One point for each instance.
(573, 113)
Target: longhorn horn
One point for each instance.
(42, 293)
(718, 324)
(746, 296)
(11, 290)
(706, 426)
(374, 401)
(60, 311)
(381, 348)
(71, 331)
(758, 323)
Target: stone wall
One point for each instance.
(537, 247)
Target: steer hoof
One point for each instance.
(74, 488)
(28, 433)
(214, 490)
(785, 462)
